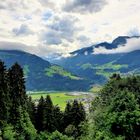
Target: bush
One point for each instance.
(8, 132)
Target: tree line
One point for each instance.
(114, 113)
(21, 118)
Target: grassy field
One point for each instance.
(58, 98)
(101, 69)
(95, 89)
(59, 70)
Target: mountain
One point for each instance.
(97, 68)
(41, 74)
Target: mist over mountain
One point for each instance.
(98, 67)
(82, 69)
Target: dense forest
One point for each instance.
(114, 114)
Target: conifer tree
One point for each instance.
(31, 109)
(4, 94)
(82, 112)
(74, 115)
(67, 115)
(40, 115)
(17, 90)
(49, 126)
(58, 119)
(77, 113)
(17, 85)
(24, 126)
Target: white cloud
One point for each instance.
(134, 32)
(45, 21)
(131, 45)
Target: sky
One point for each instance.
(57, 27)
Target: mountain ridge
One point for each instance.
(101, 66)
(41, 74)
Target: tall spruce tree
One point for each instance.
(49, 126)
(17, 90)
(67, 115)
(58, 118)
(74, 115)
(82, 112)
(40, 115)
(4, 94)
(78, 113)
(31, 109)
(23, 126)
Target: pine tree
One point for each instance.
(31, 109)
(78, 113)
(58, 119)
(17, 85)
(82, 112)
(17, 90)
(74, 115)
(4, 94)
(40, 115)
(24, 126)
(67, 115)
(49, 126)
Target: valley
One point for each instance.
(69, 70)
(102, 65)
(72, 73)
(62, 98)
(82, 97)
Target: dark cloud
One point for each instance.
(60, 29)
(51, 38)
(84, 6)
(66, 27)
(22, 30)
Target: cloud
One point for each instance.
(4, 45)
(39, 50)
(47, 15)
(134, 32)
(84, 6)
(22, 30)
(51, 38)
(47, 3)
(84, 40)
(10, 5)
(63, 26)
(59, 30)
(131, 45)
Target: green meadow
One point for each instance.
(58, 98)
(95, 89)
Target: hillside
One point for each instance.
(42, 75)
(102, 66)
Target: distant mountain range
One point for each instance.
(41, 74)
(97, 68)
(79, 72)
